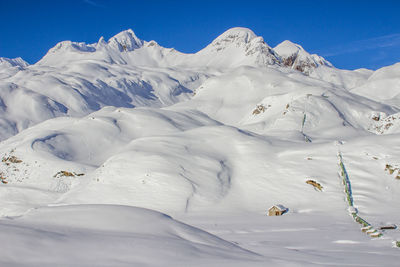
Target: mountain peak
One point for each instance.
(125, 41)
(287, 48)
(235, 35)
(294, 56)
(236, 47)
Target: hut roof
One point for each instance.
(279, 207)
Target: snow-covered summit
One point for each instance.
(236, 35)
(295, 57)
(237, 47)
(125, 41)
(287, 48)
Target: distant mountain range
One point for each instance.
(75, 79)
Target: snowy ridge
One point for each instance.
(8, 66)
(235, 47)
(15, 62)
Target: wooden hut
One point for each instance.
(277, 210)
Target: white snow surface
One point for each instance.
(105, 235)
(101, 141)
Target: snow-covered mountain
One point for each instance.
(214, 138)
(236, 47)
(75, 79)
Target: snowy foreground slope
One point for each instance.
(111, 235)
(101, 141)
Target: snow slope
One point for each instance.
(270, 100)
(111, 235)
(382, 85)
(79, 89)
(209, 170)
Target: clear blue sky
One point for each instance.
(350, 34)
